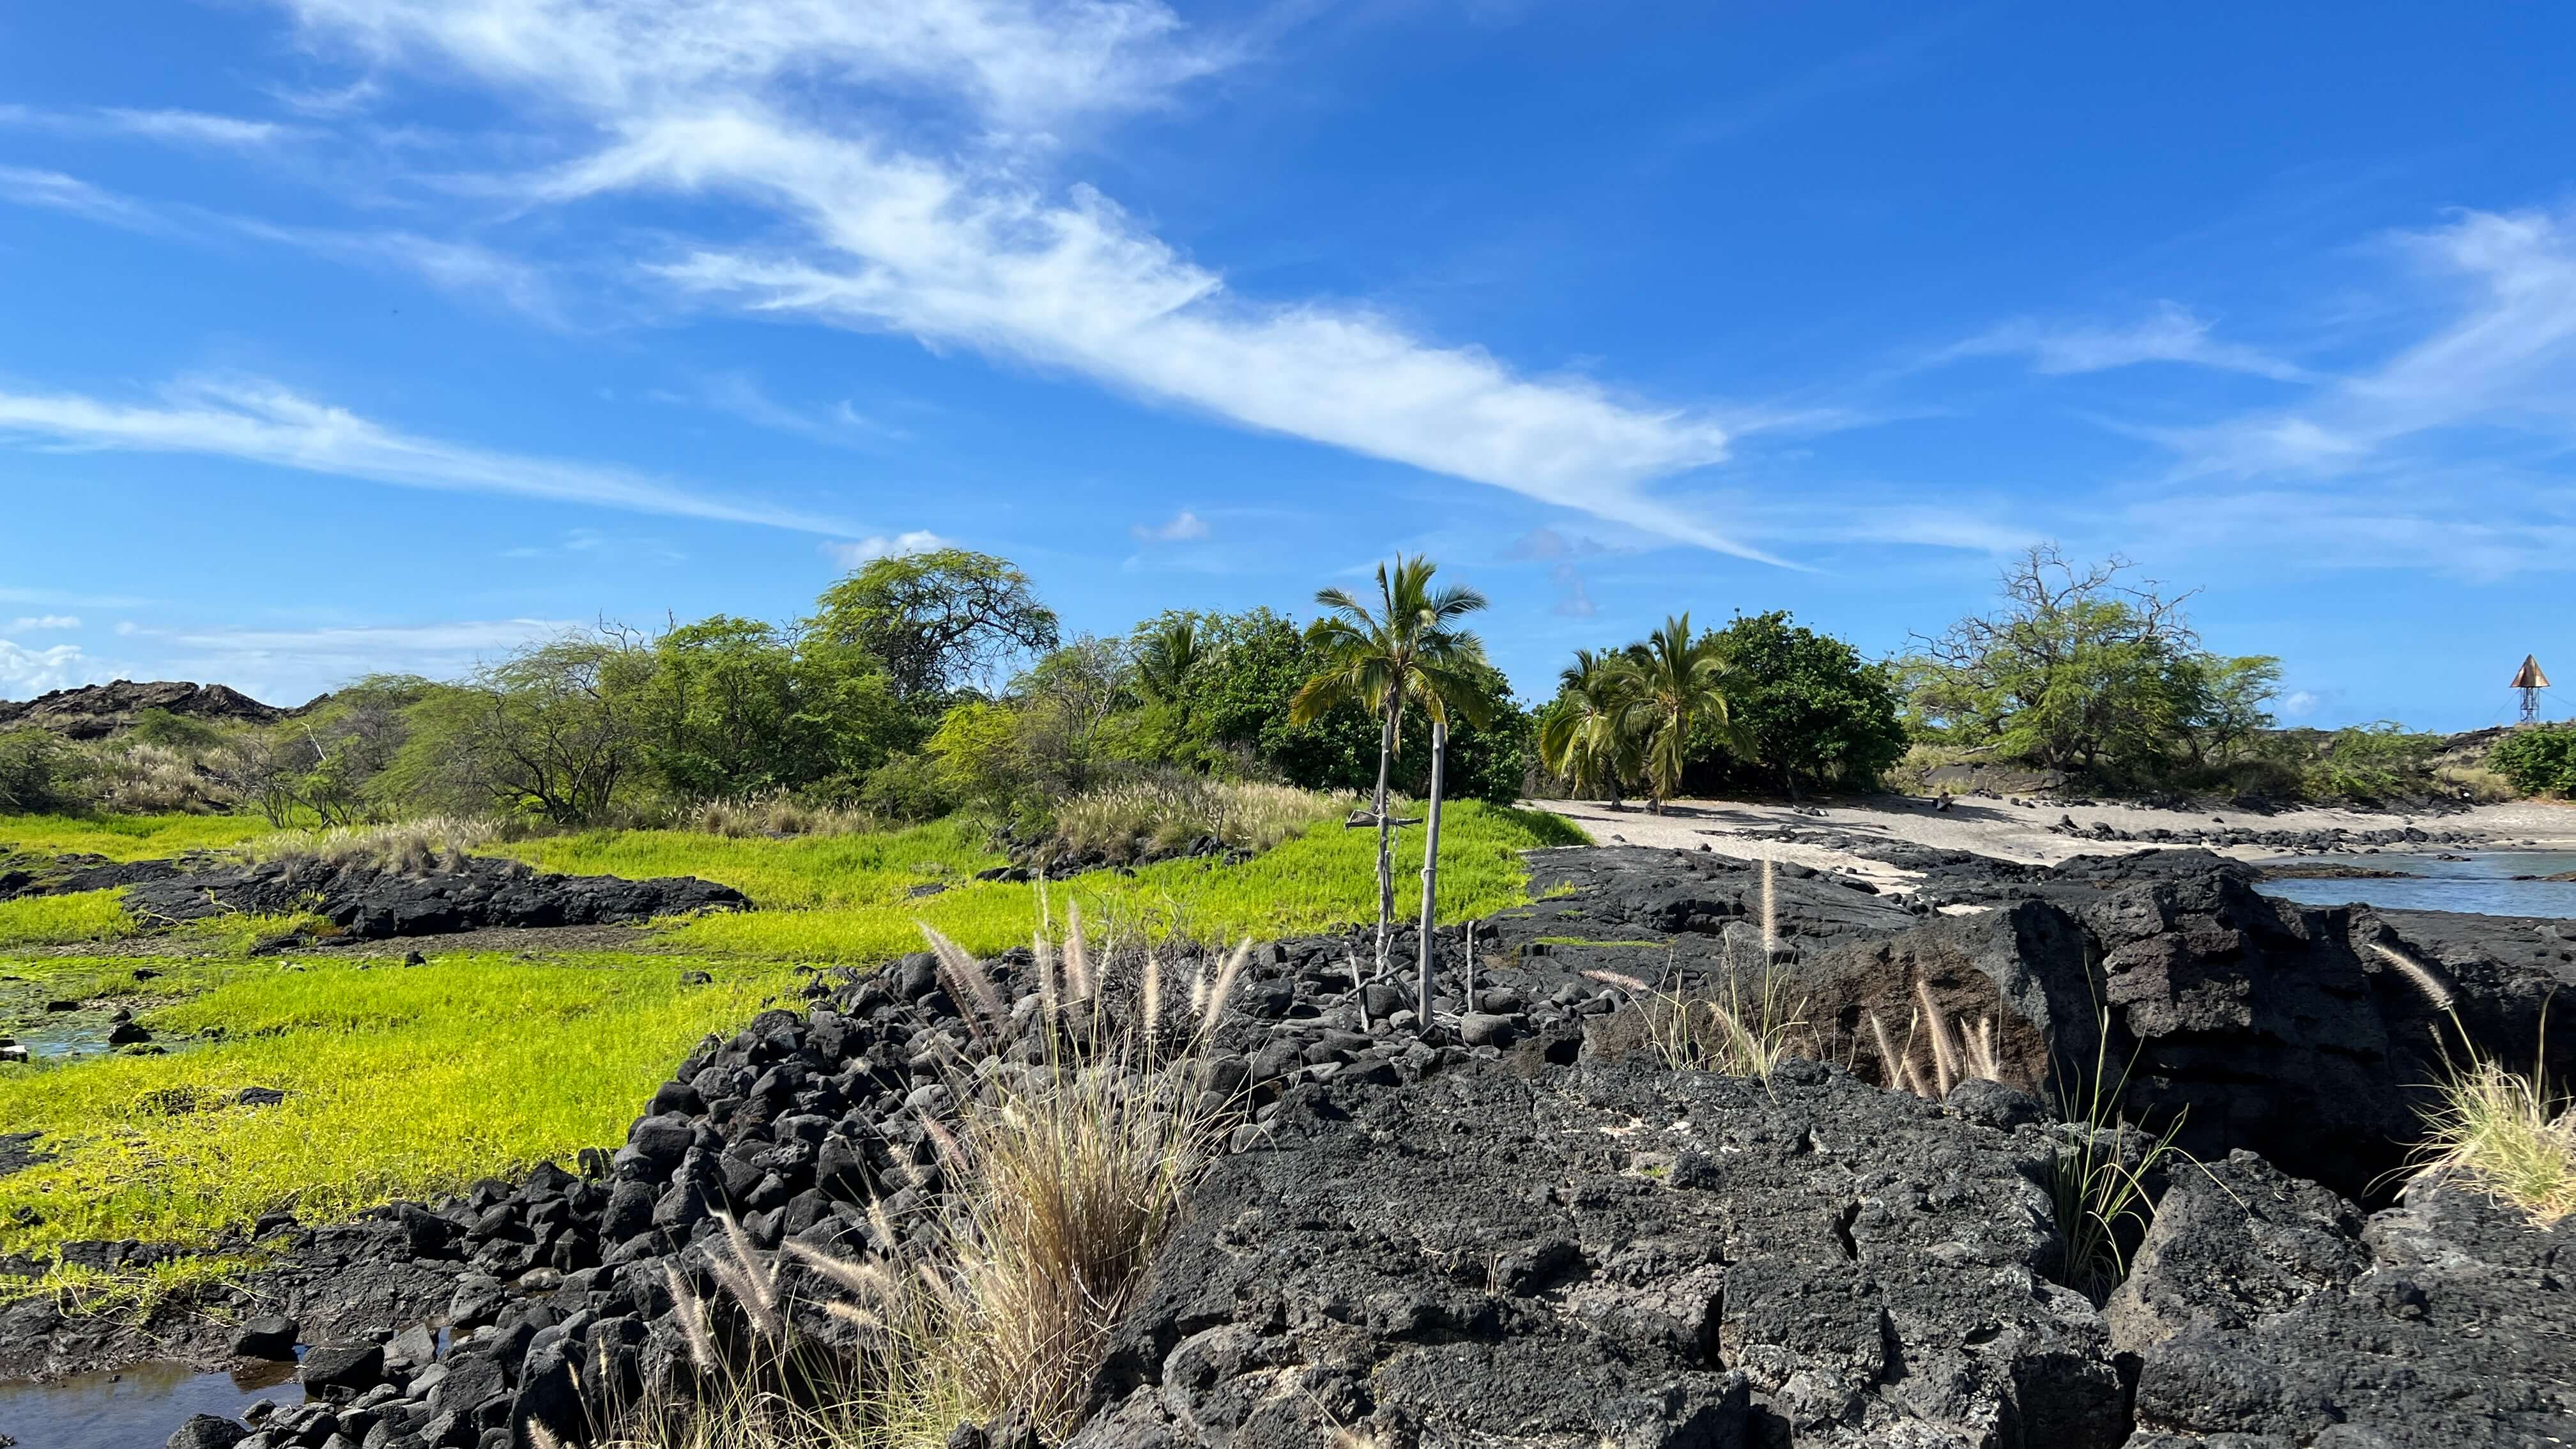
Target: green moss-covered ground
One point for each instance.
(405, 1082)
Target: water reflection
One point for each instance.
(138, 1405)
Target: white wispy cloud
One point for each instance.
(466, 268)
(2173, 334)
(2469, 523)
(25, 672)
(780, 104)
(1545, 543)
(374, 643)
(286, 665)
(64, 598)
(1573, 601)
(866, 550)
(1179, 528)
(266, 422)
(54, 191)
(197, 127)
(175, 127)
(2504, 356)
(32, 623)
(740, 395)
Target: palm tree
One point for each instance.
(1586, 738)
(1165, 659)
(1680, 681)
(1406, 653)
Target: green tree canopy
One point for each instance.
(1812, 712)
(939, 621)
(2081, 671)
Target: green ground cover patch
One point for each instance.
(401, 1082)
(1324, 879)
(127, 837)
(410, 1082)
(65, 920)
(802, 872)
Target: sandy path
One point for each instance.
(2015, 832)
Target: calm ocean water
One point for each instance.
(2482, 885)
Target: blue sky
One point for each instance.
(358, 334)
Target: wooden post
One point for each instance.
(1431, 868)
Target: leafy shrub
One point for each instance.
(37, 772)
(2540, 759)
(2373, 761)
(907, 788)
(1818, 715)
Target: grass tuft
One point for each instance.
(2509, 1132)
(427, 843)
(1168, 812)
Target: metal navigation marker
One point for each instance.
(2531, 682)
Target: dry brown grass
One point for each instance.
(1745, 1028)
(1167, 812)
(778, 817)
(428, 843)
(1948, 1055)
(1065, 1180)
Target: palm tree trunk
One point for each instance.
(1431, 874)
(1385, 833)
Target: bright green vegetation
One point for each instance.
(127, 837)
(63, 920)
(2538, 758)
(849, 898)
(412, 1082)
(796, 874)
(400, 1082)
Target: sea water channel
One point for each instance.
(2489, 883)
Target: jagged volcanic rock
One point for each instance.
(95, 711)
(372, 902)
(1615, 1255)
(2267, 1307)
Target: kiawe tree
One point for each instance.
(1405, 653)
(2082, 671)
(940, 620)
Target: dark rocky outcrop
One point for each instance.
(2265, 1307)
(2251, 1022)
(23, 875)
(95, 711)
(367, 901)
(1617, 1256)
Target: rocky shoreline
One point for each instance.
(1519, 1228)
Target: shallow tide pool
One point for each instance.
(140, 1405)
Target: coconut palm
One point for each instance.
(1681, 680)
(1406, 653)
(1166, 657)
(1586, 738)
